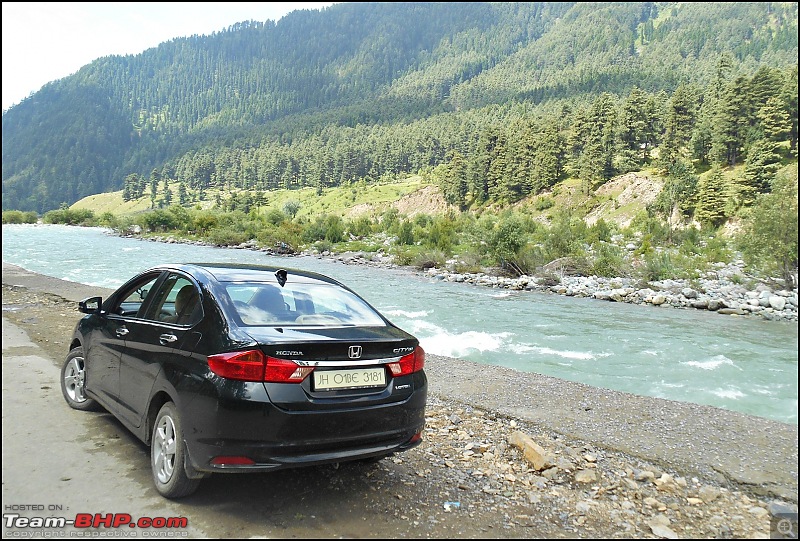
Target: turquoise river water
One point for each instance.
(742, 364)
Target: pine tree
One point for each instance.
(702, 134)
(730, 123)
(711, 198)
(548, 159)
(679, 123)
(775, 121)
(479, 164)
(597, 159)
(153, 191)
(129, 187)
(167, 194)
(183, 195)
(759, 171)
(633, 131)
(789, 97)
(453, 181)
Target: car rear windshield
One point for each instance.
(260, 304)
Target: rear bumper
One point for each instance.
(263, 437)
(271, 459)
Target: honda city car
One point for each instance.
(228, 368)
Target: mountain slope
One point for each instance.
(360, 90)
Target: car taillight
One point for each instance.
(285, 371)
(242, 365)
(254, 365)
(408, 364)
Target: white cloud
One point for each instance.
(46, 41)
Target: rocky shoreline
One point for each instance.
(726, 290)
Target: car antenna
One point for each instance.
(280, 274)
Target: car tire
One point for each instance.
(168, 453)
(73, 382)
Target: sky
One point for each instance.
(46, 41)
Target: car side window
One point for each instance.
(178, 302)
(131, 301)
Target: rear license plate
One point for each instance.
(326, 380)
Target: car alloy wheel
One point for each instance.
(73, 382)
(167, 455)
(164, 449)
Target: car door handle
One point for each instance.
(122, 331)
(167, 338)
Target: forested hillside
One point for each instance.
(496, 101)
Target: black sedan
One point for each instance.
(227, 368)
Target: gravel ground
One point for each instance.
(611, 464)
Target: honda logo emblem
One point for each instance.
(354, 352)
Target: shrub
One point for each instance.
(769, 241)
(204, 221)
(68, 216)
(405, 233)
(107, 219)
(361, 226)
(157, 220)
(468, 262)
(275, 216)
(657, 266)
(429, 259)
(19, 217)
(543, 203)
(227, 236)
(609, 261)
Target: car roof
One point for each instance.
(235, 272)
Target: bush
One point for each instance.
(107, 219)
(69, 217)
(769, 241)
(531, 258)
(19, 217)
(609, 261)
(204, 221)
(441, 234)
(329, 228)
(429, 259)
(227, 236)
(657, 266)
(360, 227)
(468, 262)
(565, 237)
(323, 246)
(543, 203)
(158, 220)
(405, 233)
(276, 217)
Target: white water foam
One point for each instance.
(522, 349)
(439, 341)
(404, 313)
(730, 394)
(713, 363)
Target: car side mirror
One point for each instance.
(91, 305)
